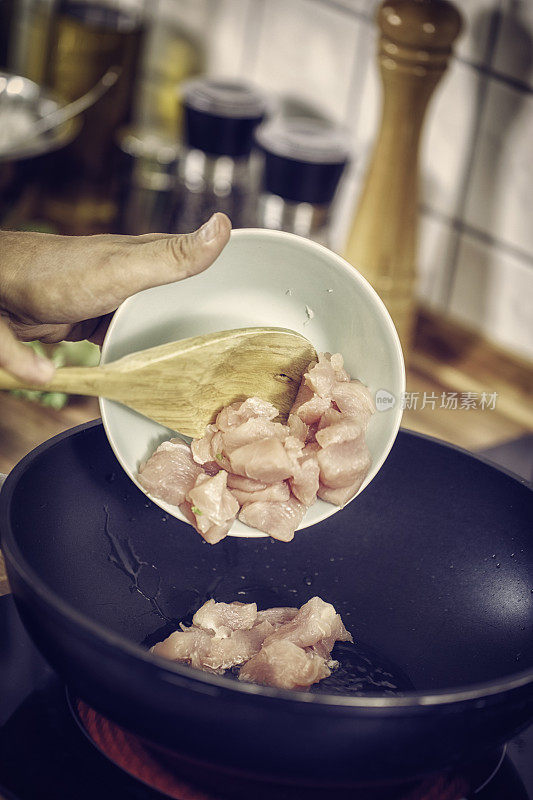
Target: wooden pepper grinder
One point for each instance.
(414, 48)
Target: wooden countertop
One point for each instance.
(445, 362)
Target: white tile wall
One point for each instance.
(436, 244)
(500, 191)
(474, 43)
(493, 294)
(446, 141)
(476, 156)
(307, 49)
(513, 55)
(227, 37)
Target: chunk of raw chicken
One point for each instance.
(324, 376)
(276, 492)
(305, 481)
(212, 504)
(289, 648)
(279, 520)
(315, 621)
(275, 471)
(284, 665)
(170, 472)
(214, 533)
(344, 463)
(252, 431)
(237, 413)
(265, 460)
(222, 617)
(204, 650)
(277, 616)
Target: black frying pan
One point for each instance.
(431, 569)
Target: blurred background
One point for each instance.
(271, 110)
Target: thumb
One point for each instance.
(165, 258)
(23, 362)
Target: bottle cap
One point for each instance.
(304, 158)
(221, 116)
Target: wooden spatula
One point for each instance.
(184, 384)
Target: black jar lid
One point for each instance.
(304, 158)
(221, 116)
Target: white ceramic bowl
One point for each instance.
(270, 278)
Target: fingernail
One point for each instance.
(44, 369)
(209, 230)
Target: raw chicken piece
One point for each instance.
(212, 500)
(344, 430)
(344, 463)
(245, 484)
(237, 648)
(297, 427)
(186, 645)
(337, 362)
(202, 450)
(314, 622)
(237, 413)
(285, 647)
(323, 378)
(305, 483)
(339, 497)
(284, 665)
(251, 431)
(276, 471)
(217, 446)
(170, 472)
(214, 533)
(204, 650)
(265, 460)
(279, 520)
(222, 618)
(311, 411)
(277, 616)
(294, 448)
(353, 399)
(276, 492)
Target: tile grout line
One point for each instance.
(338, 5)
(461, 227)
(449, 273)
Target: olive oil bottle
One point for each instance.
(85, 40)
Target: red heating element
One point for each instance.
(171, 775)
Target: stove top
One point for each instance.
(44, 754)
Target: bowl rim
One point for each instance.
(191, 678)
(353, 273)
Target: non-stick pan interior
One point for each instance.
(431, 567)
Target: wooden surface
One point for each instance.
(414, 47)
(183, 384)
(446, 360)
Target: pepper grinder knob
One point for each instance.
(414, 48)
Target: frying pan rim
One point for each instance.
(111, 639)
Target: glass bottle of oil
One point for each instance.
(86, 39)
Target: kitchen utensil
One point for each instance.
(148, 179)
(262, 279)
(20, 96)
(184, 384)
(61, 114)
(414, 48)
(431, 569)
(303, 161)
(217, 171)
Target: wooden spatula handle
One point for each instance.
(72, 380)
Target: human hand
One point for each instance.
(67, 287)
